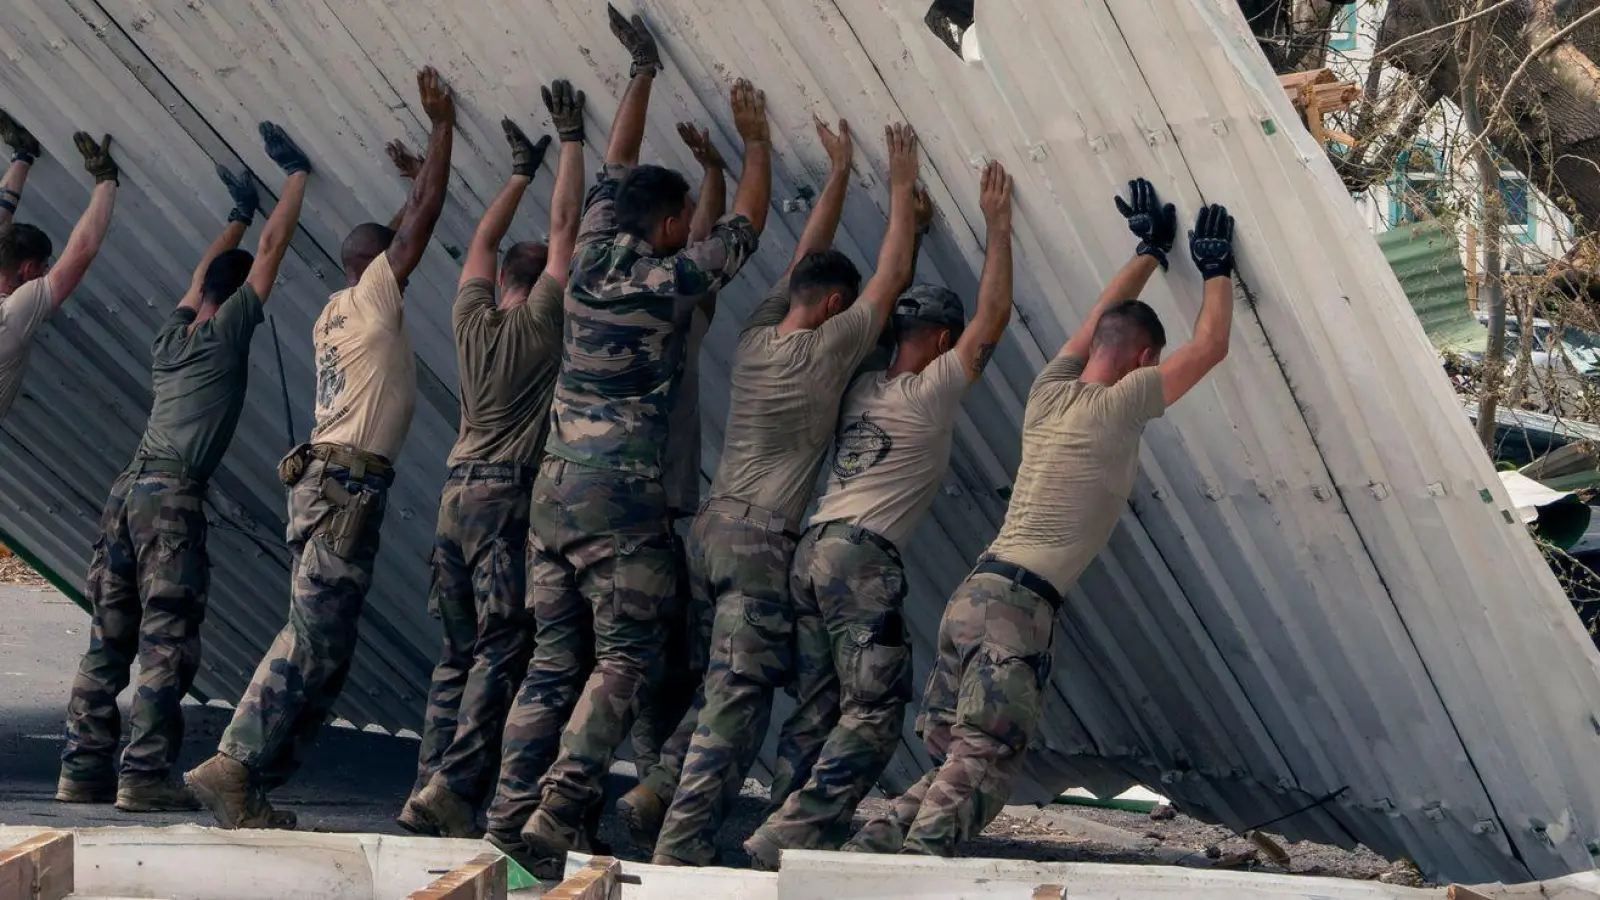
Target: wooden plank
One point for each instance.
(1294, 81)
(599, 880)
(1458, 892)
(1049, 892)
(39, 868)
(484, 878)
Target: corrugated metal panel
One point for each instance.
(1427, 262)
(1313, 595)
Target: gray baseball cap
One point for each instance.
(933, 304)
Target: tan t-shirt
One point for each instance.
(508, 359)
(21, 314)
(680, 475)
(893, 447)
(1080, 451)
(366, 372)
(785, 402)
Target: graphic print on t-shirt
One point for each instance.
(860, 446)
(330, 380)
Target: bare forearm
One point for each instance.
(279, 231)
(92, 226)
(426, 202)
(1127, 284)
(399, 214)
(1215, 322)
(566, 207)
(496, 219)
(755, 185)
(627, 129)
(11, 191)
(994, 286)
(713, 203)
(824, 219)
(894, 257)
(228, 239)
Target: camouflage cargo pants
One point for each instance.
(334, 521)
(854, 673)
(479, 568)
(980, 708)
(675, 673)
(740, 568)
(599, 569)
(147, 583)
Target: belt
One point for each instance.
(359, 462)
(855, 534)
(775, 522)
(1021, 577)
(509, 471)
(159, 466)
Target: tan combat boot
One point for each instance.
(71, 791)
(260, 814)
(412, 820)
(447, 812)
(154, 796)
(222, 785)
(641, 812)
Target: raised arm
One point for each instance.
(713, 183)
(1211, 246)
(978, 341)
(90, 232)
(824, 218)
(409, 165)
(242, 190)
(273, 244)
(894, 257)
(566, 198)
(484, 251)
(1156, 226)
(754, 196)
(627, 129)
(427, 192)
(24, 150)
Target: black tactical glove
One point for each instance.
(638, 40)
(97, 157)
(566, 109)
(526, 156)
(24, 146)
(1211, 242)
(1155, 226)
(283, 151)
(242, 188)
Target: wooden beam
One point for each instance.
(1049, 892)
(1457, 892)
(1294, 81)
(39, 868)
(599, 880)
(483, 878)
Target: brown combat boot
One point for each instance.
(413, 821)
(764, 852)
(222, 785)
(69, 790)
(641, 812)
(881, 835)
(449, 814)
(260, 814)
(154, 796)
(548, 837)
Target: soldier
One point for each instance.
(676, 672)
(795, 356)
(150, 571)
(338, 487)
(508, 354)
(599, 549)
(30, 287)
(848, 581)
(1080, 449)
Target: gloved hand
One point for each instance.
(638, 40)
(283, 151)
(566, 109)
(1155, 226)
(97, 157)
(242, 188)
(24, 146)
(1211, 242)
(526, 156)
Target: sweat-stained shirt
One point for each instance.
(784, 403)
(627, 310)
(681, 477)
(198, 380)
(366, 372)
(893, 448)
(1080, 451)
(508, 360)
(21, 314)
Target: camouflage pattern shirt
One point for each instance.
(627, 312)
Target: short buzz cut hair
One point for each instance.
(646, 196)
(23, 244)
(1130, 324)
(225, 274)
(524, 262)
(819, 272)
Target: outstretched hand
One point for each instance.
(698, 140)
(994, 195)
(526, 156)
(839, 145)
(97, 159)
(283, 150)
(1155, 226)
(24, 146)
(242, 189)
(437, 100)
(903, 164)
(566, 109)
(407, 163)
(750, 113)
(638, 40)
(1211, 242)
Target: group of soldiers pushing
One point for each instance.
(575, 615)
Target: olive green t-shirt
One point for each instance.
(1080, 452)
(198, 380)
(508, 360)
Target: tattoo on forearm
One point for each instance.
(985, 351)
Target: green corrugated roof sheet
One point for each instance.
(1427, 260)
